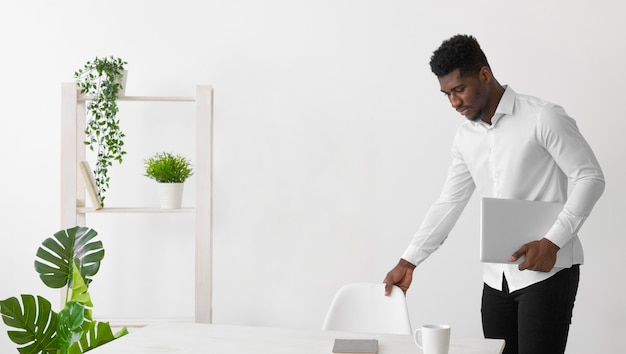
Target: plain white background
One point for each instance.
(331, 142)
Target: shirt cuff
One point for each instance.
(559, 235)
(413, 255)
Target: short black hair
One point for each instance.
(459, 52)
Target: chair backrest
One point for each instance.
(363, 307)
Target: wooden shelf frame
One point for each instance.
(73, 195)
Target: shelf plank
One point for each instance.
(155, 210)
(84, 98)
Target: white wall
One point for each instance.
(331, 141)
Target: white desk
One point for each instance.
(196, 338)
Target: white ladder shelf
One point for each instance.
(73, 150)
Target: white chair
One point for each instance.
(363, 307)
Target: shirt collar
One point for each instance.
(505, 107)
(507, 101)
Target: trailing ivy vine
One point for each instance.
(101, 81)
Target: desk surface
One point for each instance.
(187, 338)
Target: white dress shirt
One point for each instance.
(530, 151)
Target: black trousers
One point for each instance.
(533, 320)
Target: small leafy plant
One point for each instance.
(68, 259)
(165, 167)
(101, 80)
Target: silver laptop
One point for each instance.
(507, 224)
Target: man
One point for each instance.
(518, 147)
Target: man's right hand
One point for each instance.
(401, 275)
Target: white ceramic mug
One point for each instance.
(433, 338)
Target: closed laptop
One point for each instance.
(508, 224)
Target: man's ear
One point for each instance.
(485, 74)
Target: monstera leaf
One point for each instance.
(57, 256)
(36, 324)
(69, 325)
(91, 334)
(80, 293)
(68, 259)
(94, 335)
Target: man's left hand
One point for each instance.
(540, 255)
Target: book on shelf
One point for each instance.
(355, 346)
(90, 184)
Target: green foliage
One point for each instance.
(57, 255)
(71, 258)
(94, 335)
(80, 292)
(69, 323)
(36, 324)
(165, 167)
(101, 80)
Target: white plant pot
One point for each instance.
(170, 195)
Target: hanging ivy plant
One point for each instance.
(101, 80)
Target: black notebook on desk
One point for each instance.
(355, 346)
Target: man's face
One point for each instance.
(468, 94)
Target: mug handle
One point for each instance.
(417, 338)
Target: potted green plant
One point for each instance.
(69, 259)
(103, 81)
(170, 171)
